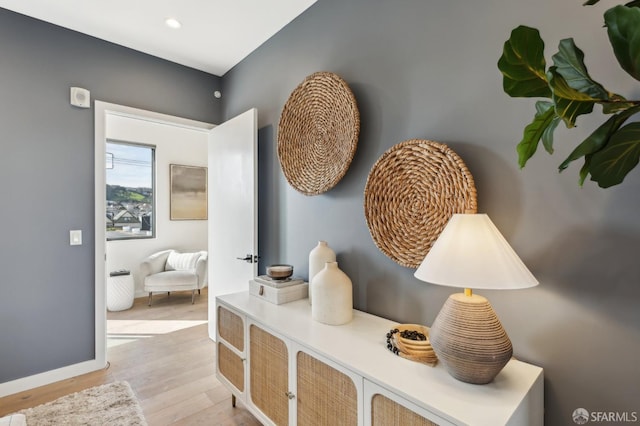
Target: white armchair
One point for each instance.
(168, 271)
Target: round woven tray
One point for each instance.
(318, 133)
(411, 193)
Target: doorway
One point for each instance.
(111, 121)
(231, 143)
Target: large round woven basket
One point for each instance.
(318, 133)
(411, 193)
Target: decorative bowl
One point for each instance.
(279, 272)
(407, 343)
(416, 328)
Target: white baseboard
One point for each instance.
(48, 377)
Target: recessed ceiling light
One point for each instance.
(172, 23)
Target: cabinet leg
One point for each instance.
(233, 401)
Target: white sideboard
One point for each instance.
(285, 367)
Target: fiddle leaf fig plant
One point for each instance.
(613, 149)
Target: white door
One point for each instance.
(233, 204)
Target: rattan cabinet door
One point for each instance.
(269, 374)
(385, 412)
(231, 328)
(231, 366)
(230, 350)
(384, 408)
(326, 393)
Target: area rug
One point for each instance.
(113, 404)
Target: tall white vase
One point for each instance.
(318, 257)
(332, 296)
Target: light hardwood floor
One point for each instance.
(172, 374)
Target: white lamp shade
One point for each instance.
(471, 253)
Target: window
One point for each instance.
(130, 190)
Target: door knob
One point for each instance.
(249, 258)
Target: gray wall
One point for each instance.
(418, 70)
(47, 175)
(427, 69)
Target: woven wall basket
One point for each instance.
(318, 133)
(411, 193)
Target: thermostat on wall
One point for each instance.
(80, 97)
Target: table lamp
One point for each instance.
(466, 335)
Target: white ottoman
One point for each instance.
(120, 292)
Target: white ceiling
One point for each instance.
(215, 34)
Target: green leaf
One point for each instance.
(584, 170)
(599, 138)
(569, 102)
(569, 62)
(610, 165)
(544, 118)
(590, 2)
(617, 103)
(623, 28)
(547, 134)
(522, 64)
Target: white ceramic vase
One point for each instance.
(318, 257)
(332, 296)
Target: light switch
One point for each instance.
(75, 237)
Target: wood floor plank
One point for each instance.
(220, 415)
(173, 413)
(172, 374)
(176, 394)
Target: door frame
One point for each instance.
(102, 110)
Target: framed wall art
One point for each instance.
(188, 189)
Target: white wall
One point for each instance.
(174, 145)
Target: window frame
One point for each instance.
(153, 230)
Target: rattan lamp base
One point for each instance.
(469, 339)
